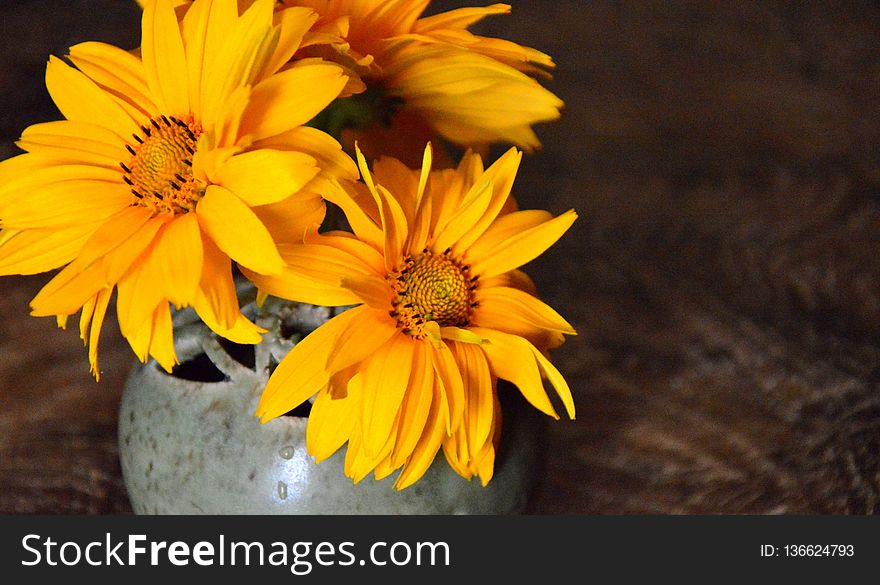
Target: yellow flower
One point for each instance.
(167, 167)
(430, 76)
(469, 89)
(442, 313)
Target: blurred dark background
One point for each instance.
(724, 275)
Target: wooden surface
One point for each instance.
(724, 275)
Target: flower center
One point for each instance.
(160, 169)
(431, 287)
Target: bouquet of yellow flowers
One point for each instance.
(214, 150)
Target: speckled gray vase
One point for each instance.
(194, 446)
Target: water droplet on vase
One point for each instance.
(286, 452)
(282, 490)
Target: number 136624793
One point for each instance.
(808, 550)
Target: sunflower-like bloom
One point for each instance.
(430, 76)
(168, 166)
(442, 313)
(436, 76)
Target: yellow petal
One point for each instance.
(520, 248)
(486, 467)
(209, 159)
(164, 59)
(427, 159)
(303, 372)
(119, 71)
(449, 380)
(101, 302)
(366, 333)
(80, 99)
(372, 290)
(194, 30)
(265, 176)
(326, 261)
(483, 463)
(235, 54)
(281, 102)
(515, 279)
(420, 225)
(479, 393)
(459, 18)
(506, 227)
(370, 258)
(358, 461)
(67, 292)
(357, 209)
(501, 176)
(294, 22)
(474, 205)
(141, 290)
(416, 406)
(155, 337)
(112, 233)
(446, 189)
(60, 196)
(428, 446)
(66, 204)
(313, 273)
(34, 251)
(216, 301)
(295, 287)
(386, 466)
(240, 331)
(207, 34)
(515, 311)
(288, 221)
(557, 381)
(162, 338)
(139, 339)
(180, 254)
(332, 160)
(391, 213)
(461, 335)
(395, 227)
(75, 142)
(354, 452)
(469, 98)
(399, 180)
(226, 123)
(512, 358)
(85, 318)
(117, 261)
(330, 423)
(237, 231)
(385, 381)
(12, 170)
(457, 450)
